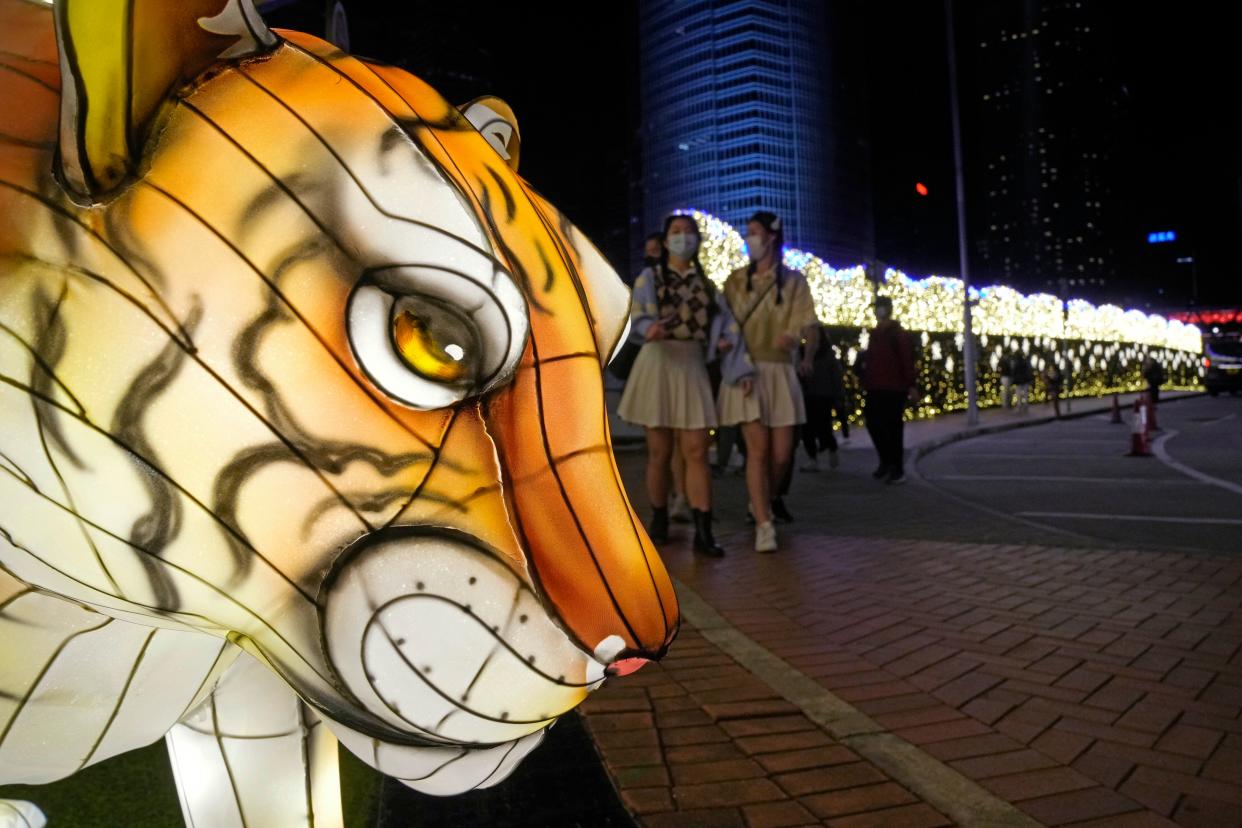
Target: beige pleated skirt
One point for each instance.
(776, 400)
(668, 387)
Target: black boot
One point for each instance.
(704, 543)
(657, 529)
(779, 512)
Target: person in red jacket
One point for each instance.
(889, 382)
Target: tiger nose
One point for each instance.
(588, 555)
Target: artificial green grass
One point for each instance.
(136, 790)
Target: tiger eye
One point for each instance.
(429, 349)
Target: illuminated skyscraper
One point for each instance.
(1046, 117)
(743, 109)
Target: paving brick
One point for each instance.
(857, 800)
(1107, 769)
(964, 688)
(707, 752)
(801, 783)
(683, 718)
(1075, 806)
(642, 776)
(1084, 679)
(733, 793)
(1098, 731)
(1134, 819)
(943, 731)
(749, 709)
(1196, 786)
(1159, 799)
(777, 815)
(697, 818)
(1064, 746)
(1000, 764)
(783, 741)
(722, 771)
(1197, 810)
(765, 726)
(626, 739)
(1190, 741)
(906, 816)
(1016, 787)
(1150, 715)
(913, 718)
(819, 757)
(647, 800)
(1115, 697)
(971, 746)
(689, 735)
(1147, 756)
(605, 722)
(627, 757)
(1225, 765)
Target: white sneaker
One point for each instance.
(765, 537)
(834, 459)
(679, 509)
(810, 464)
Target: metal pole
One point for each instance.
(968, 334)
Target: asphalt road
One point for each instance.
(1073, 478)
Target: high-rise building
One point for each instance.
(1046, 107)
(741, 112)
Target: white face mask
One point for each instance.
(682, 245)
(756, 247)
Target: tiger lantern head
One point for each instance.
(301, 416)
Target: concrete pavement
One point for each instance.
(914, 658)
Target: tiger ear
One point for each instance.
(495, 120)
(119, 59)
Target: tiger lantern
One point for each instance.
(302, 424)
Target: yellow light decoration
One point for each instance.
(1101, 346)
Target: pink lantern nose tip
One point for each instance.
(625, 666)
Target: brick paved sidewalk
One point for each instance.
(699, 741)
(1080, 685)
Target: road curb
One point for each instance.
(923, 449)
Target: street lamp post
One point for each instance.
(968, 335)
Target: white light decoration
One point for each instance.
(1040, 325)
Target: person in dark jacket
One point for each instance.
(823, 390)
(1153, 373)
(888, 380)
(1023, 376)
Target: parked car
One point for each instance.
(1222, 361)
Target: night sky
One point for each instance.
(570, 72)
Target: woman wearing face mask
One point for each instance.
(668, 391)
(767, 314)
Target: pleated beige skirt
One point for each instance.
(776, 400)
(668, 387)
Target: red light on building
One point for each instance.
(920, 188)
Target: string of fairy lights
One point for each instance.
(1098, 349)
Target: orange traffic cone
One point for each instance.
(1139, 446)
(1116, 418)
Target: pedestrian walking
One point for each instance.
(889, 382)
(1153, 374)
(1054, 381)
(822, 387)
(668, 392)
(766, 314)
(1005, 368)
(1023, 376)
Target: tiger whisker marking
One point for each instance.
(73, 221)
(185, 493)
(292, 309)
(52, 336)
